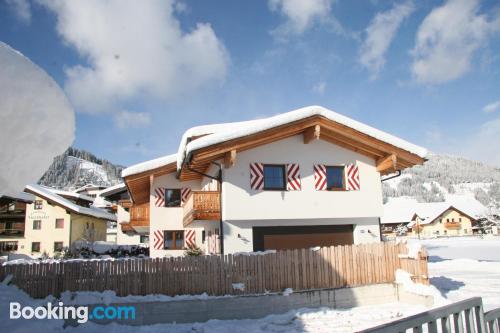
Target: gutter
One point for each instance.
(398, 173)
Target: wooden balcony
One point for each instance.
(452, 225)
(202, 205)
(139, 215)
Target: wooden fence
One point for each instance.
(327, 267)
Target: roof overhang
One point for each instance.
(388, 157)
(139, 185)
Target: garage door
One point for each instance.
(301, 237)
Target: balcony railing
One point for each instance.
(452, 225)
(12, 232)
(202, 205)
(139, 214)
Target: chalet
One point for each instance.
(56, 219)
(454, 217)
(309, 177)
(12, 222)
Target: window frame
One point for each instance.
(39, 225)
(173, 239)
(166, 201)
(39, 247)
(283, 167)
(141, 238)
(38, 205)
(62, 224)
(344, 185)
(62, 246)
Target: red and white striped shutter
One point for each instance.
(190, 238)
(352, 177)
(158, 240)
(320, 177)
(185, 192)
(159, 194)
(293, 177)
(256, 176)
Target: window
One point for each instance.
(35, 247)
(59, 223)
(174, 240)
(465, 231)
(38, 204)
(58, 246)
(37, 224)
(172, 197)
(274, 177)
(335, 178)
(459, 219)
(144, 238)
(8, 246)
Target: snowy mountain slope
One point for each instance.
(76, 168)
(443, 177)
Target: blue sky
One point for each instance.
(140, 73)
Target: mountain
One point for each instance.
(75, 168)
(443, 176)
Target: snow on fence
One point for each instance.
(327, 267)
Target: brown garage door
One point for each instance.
(301, 237)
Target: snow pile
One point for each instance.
(414, 248)
(404, 278)
(37, 122)
(287, 292)
(239, 286)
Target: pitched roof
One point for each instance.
(402, 210)
(48, 194)
(70, 194)
(209, 135)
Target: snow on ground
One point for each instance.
(301, 320)
(464, 267)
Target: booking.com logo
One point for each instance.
(80, 314)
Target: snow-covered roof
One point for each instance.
(402, 210)
(209, 135)
(225, 132)
(149, 165)
(21, 196)
(47, 193)
(70, 194)
(113, 189)
(88, 186)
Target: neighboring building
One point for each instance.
(437, 221)
(56, 219)
(454, 217)
(90, 190)
(118, 199)
(306, 178)
(12, 222)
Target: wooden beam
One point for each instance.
(388, 162)
(230, 159)
(312, 133)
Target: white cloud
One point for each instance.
(126, 119)
(37, 122)
(300, 14)
(492, 107)
(319, 87)
(447, 40)
(21, 8)
(134, 49)
(379, 35)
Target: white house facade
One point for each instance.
(302, 179)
